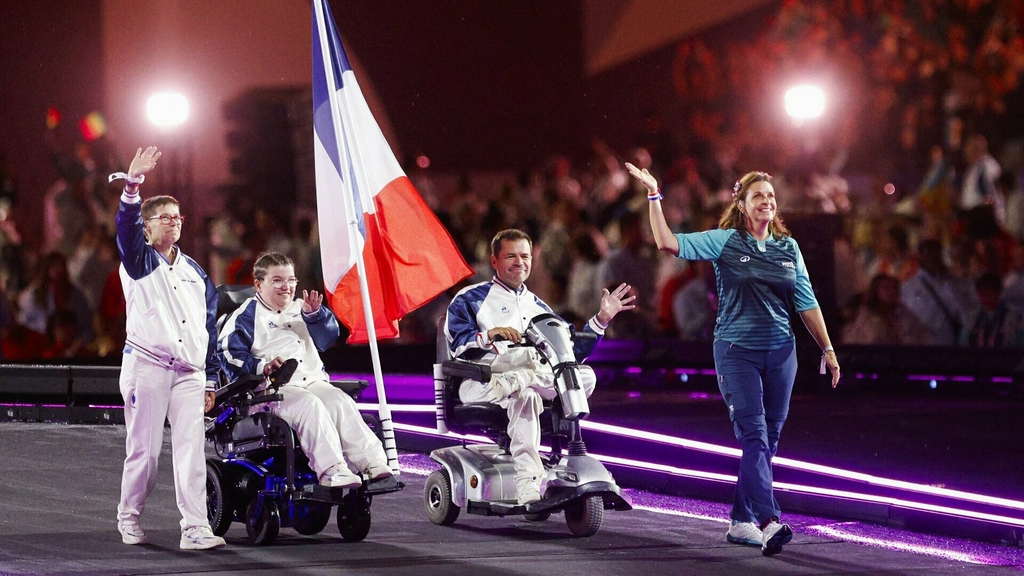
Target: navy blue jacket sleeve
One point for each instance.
(236, 341)
(323, 328)
(136, 255)
(461, 328)
(213, 366)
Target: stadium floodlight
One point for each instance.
(804, 102)
(167, 109)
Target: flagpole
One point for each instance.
(384, 411)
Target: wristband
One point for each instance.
(130, 181)
(656, 195)
(823, 368)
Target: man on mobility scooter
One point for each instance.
(276, 336)
(486, 324)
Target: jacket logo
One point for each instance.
(271, 324)
(744, 258)
(504, 309)
(788, 264)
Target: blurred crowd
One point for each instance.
(919, 158)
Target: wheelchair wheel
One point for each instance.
(437, 496)
(312, 518)
(220, 510)
(584, 516)
(262, 521)
(354, 518)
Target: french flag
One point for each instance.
(366, 205)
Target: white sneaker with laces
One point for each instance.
(745, 533)
(131, 533)
(378, 471)
(775, 536)
(339, 476)
(200, 538)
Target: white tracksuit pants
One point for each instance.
(151, 394)
(524, 409)
(331, 430)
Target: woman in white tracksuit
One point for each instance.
(274, 326)
(169, 359)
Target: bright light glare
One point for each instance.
(167, 109)
(805, 101)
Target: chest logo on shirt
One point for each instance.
(744, 259)
(788, 264)
(271, 324)
(504, 310)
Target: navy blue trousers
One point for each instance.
(756, 386)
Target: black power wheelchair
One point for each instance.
(256, 472)
(480, 478)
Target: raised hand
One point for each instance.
(311, 301)
(143, 162)
(614, 302)
(643, 176)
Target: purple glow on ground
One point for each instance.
(784, 486)
(857, 532)
(633, 394)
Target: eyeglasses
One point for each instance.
(280, 282)
(167, 218)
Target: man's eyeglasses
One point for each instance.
(167, 218)
(281, 282)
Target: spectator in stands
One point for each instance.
(695, 304)
(978, 186)
(761, 275)
(634, 263)
(931, 296)
(883, 319)
(52, 290)
(994, 325)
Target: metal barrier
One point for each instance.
(59, 393)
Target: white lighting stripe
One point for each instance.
(398, 408)
(840, 534)
(805, 466)
(785, 486)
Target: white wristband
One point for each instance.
(122, 176)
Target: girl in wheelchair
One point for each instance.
(273, 326)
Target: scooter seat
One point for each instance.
(480, 415)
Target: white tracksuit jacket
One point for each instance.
(326, 419)
(475, 310)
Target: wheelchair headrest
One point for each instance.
(231, 296)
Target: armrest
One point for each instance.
(244, 384)
(351, 387)
(467, 370)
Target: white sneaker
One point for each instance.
(508, 384)
(378, 471)
(200, 538)
(131, 533)
(775, 536)
(527, 491)
(339, 476)
(746, 533)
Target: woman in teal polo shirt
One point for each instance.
(760, 276)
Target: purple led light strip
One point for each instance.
(778, 460)
(805, 466)
(785, 486)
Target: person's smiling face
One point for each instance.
(278, 287)
(759, 204)
(512, 264)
